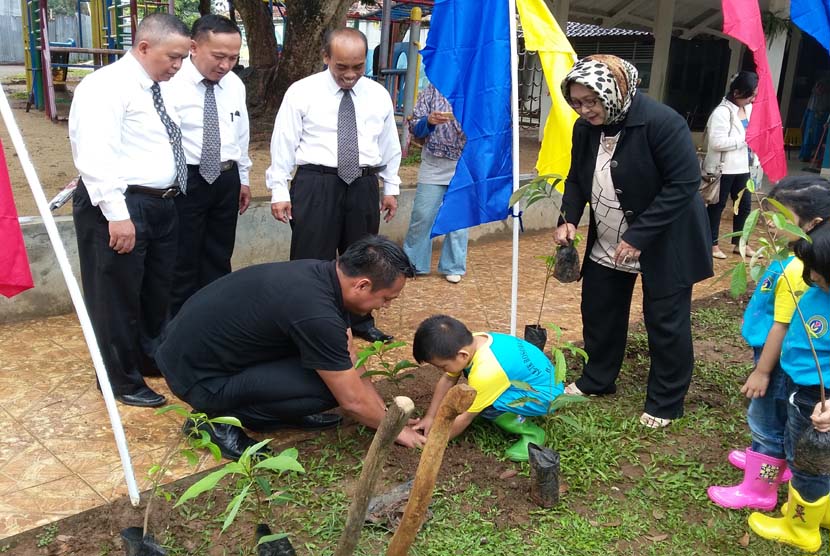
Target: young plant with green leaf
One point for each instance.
(779, 228)
(252, 485)
(541, 188)
(560, 373)
(186, 445)
(395, 372)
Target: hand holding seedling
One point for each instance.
(821, 419)
(564, 234)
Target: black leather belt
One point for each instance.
(224, 167)
(364, 170)
(167, 193)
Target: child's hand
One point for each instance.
(410, 438)
(424, 425)
(756, 385)
(821, 420)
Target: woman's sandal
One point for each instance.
(654, 422)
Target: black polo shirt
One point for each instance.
(257, 314)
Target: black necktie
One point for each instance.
(348, 153)
(175, 135)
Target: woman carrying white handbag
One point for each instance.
(728, 150)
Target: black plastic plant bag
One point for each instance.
(544, 475)
(566, 268)
(136, 544)
(536, 335)
(812, 452)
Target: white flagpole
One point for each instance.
(75, 293)
(514, 102)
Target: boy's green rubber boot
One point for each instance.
(517, 424)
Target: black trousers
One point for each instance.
(207, 232)
(264, 396)
(127, 296)
(606, 303)
(730, 186)
(329, 215)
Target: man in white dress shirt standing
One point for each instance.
(127, 146)
(210, 99)
(339, 131)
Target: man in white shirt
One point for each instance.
(126, 144)
(210, 99)
(339, 131)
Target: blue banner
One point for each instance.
(813, 17)
(467, 58)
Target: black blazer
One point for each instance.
(656, 175)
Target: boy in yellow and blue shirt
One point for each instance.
(513, 379)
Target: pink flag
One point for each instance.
(15, 275)
(765, 136)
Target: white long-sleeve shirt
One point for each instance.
(117, 136)
(188, 93)
(305, 131)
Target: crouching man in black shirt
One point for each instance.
(271, 344)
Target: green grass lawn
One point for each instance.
(627, 490)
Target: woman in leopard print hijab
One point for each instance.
(613, 80)
(634, 164)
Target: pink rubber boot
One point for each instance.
(759, 489)
(738, 459)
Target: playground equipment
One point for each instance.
(47, 63)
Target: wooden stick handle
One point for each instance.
(457, 401)
(391, 426)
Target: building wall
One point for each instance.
(11, 29)
(61, 29)
(259, 239)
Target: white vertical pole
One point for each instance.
(514, 102)
(75, 294)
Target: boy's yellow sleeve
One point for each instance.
(787, 290)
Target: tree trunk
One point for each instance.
(269, 76)
(204, 7)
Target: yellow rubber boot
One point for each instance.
(799, 527)
(825, 521)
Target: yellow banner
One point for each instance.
(543, 35)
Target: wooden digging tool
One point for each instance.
(457, 401)
(391, 426)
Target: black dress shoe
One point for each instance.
(143, 397)
(230, 440)
(373, 334)
(317, 421)
(280, 547)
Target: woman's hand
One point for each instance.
(438, 118)
(756, 385)
(564, 234)
(626, 253)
